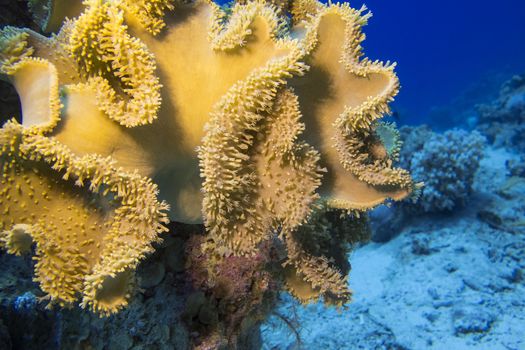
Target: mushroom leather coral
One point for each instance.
(242, 122)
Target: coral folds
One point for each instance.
(139, 112)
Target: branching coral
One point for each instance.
(446, 163)
(258, 122)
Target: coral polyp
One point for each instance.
(136, 112)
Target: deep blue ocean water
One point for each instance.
(446, 49)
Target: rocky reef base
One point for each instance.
(174, 308)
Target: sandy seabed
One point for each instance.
(452, 281)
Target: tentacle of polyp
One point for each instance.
(120, 67)
(232, 203)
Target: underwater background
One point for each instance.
(450, 54)
(445, 272)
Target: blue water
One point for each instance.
(445, 49)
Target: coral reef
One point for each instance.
(137, 113)
(503, 120)
(446, 163)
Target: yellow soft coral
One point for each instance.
(242, 140)
(255, 183)
(85, 133)
(342, 97)
(84, 240)
(213, 54)
(90, 220)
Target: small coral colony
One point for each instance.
(260, 120)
